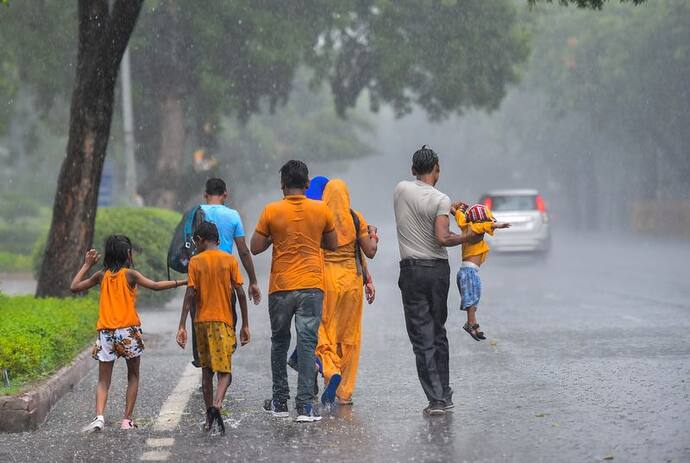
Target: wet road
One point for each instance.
(588, 359)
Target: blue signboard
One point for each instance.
(106, 190)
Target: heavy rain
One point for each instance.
(149, 152)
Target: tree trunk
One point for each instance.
(164, 186)
(103, 38)
(164, 182)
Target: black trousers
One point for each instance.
(424, 286)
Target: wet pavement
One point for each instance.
(588, 359)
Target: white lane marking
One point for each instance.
(170, 415)
(160, 441)
(155, 455)
(632, 318)
(171, 411)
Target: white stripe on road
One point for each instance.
(170, 415)
(160, 442)
(171, 411)
(155, 455)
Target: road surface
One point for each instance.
(588, 359)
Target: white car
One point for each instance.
(526, 211)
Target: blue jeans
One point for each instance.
(470, 286)
(305, 305)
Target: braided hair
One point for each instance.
(424, 160)
(118, 253)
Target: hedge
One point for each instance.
(38, 336)
(12, 263)
(150, 230)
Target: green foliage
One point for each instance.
(37, 336)
(14, 263)
(594, 4)
(150, 230)
(626, 70)
(22, 221)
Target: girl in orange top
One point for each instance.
(119, 333)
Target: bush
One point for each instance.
(38, 336)
(150, 230)
(10, 262)
(18, 234)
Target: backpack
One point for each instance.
(182, 246)
(359, 259)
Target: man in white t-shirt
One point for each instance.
(423, 226)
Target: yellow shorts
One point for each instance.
(215, 342)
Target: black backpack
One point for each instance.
(182, 246)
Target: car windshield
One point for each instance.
(513, 203)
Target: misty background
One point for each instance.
(596, 120)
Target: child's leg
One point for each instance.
(105, 373)
(207, 386)
(132, 386)
(472, 315)
(224, 380)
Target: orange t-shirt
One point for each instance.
(117, 307)
(214, 274)
(296, 225)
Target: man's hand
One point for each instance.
(181, 337)
(373, 233)
(92, 257)
(458, 206)
(370, 292)
(496, 225)
(254, 293)
(245, 337)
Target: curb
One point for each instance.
(28, 410)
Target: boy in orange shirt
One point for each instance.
(213, 275)
(480, 220)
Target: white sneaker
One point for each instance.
(97, 424)
(307, 413)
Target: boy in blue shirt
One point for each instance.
(230, 230)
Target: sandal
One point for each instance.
(472, 331)
(480, 334)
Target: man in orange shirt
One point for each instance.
(298, 228)
(213, 276)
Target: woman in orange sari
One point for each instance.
(346, 277)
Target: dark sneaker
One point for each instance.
(307, 413)
(449, 405)
(276, 408)
(328, 396)
(292, 361)
(435, 409)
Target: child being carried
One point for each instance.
(480, 220)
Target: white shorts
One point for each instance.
(121, 342)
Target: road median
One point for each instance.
(27, 410)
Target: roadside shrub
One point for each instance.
(150, 230)
(38, 336)
(11, 262)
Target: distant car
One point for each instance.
(526, 211)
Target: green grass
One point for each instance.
(38, 336)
